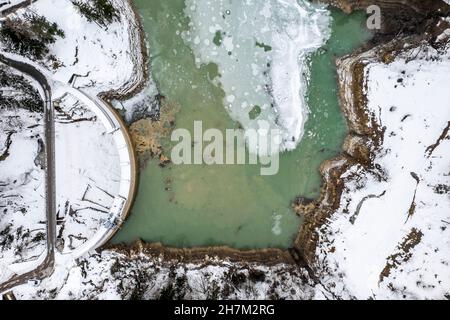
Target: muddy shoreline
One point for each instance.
(402, 21)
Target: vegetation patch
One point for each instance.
(19, 93)
(30, 35)
(403, 254)
(101, 12)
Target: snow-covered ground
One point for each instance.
(390, 238)
(111, 275)
(88, 172)
(8, 4)
(22, 165)
(93, 165)
(106, 59)
(86, 48)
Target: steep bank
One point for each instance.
(265, 257)
(399, 17)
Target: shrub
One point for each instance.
(43, 29)
(101, 12)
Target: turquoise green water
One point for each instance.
(199, 205)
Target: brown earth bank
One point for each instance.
(404, 20)
(200, 255)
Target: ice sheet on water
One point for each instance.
(261, 49)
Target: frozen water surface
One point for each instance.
(261, 49)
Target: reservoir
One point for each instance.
(233, 205)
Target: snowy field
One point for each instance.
(9, 4)
(103, 54)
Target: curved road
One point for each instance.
(46, 267)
